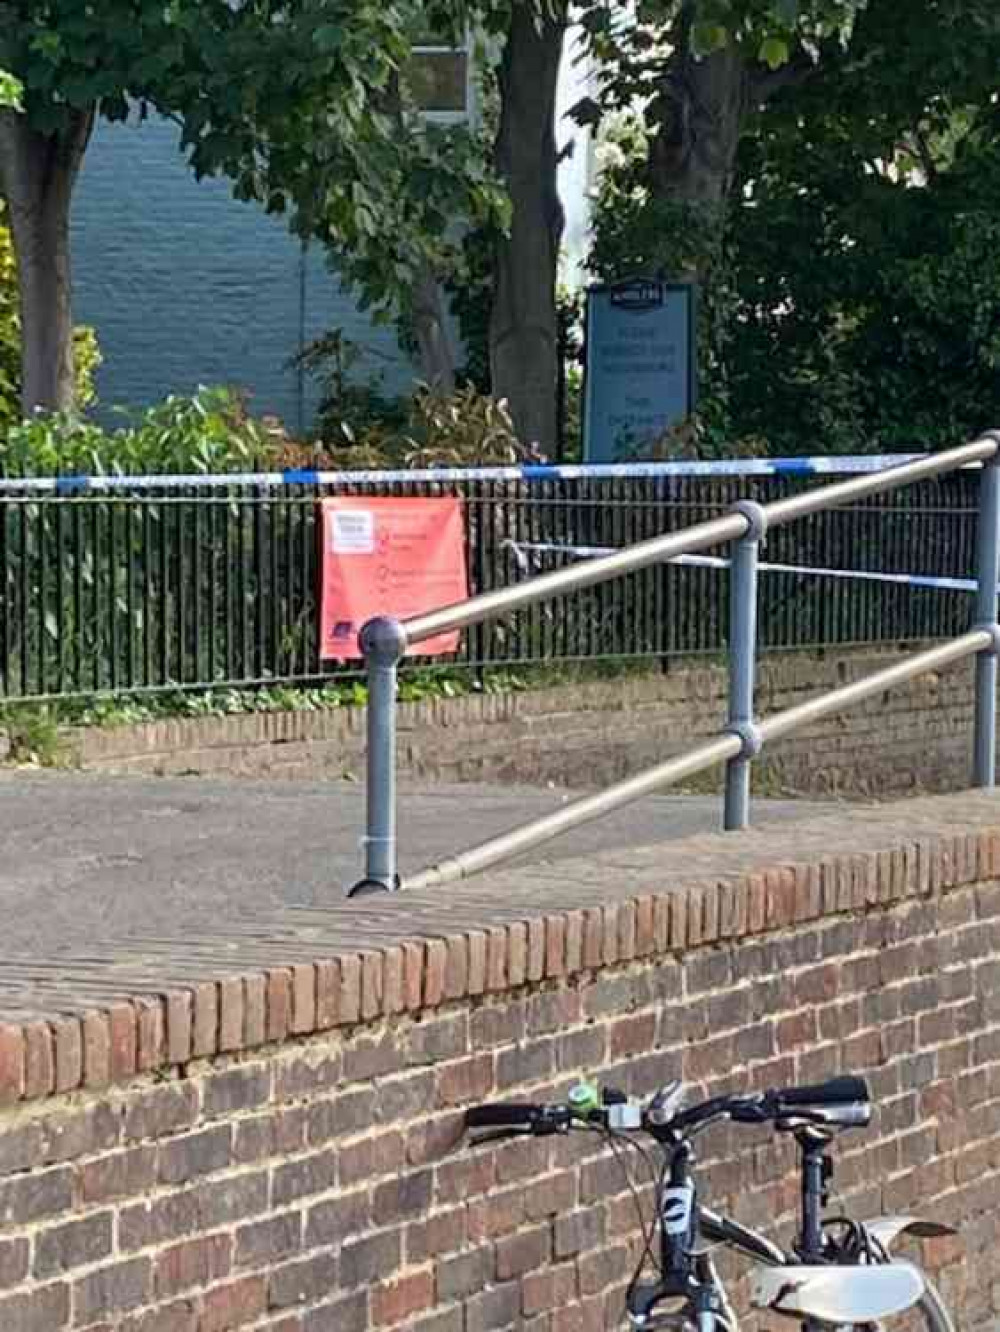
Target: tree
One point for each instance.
(523, 333)
(399, 238)
(682, 83)
(296, 100)
(864, 236)
(698, 69)
(697, 66)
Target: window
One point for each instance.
(440, 78)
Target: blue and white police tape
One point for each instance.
(527, 472)
(521, 550)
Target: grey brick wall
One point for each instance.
(186, 285)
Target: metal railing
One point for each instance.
(113, 586)
(386, 641)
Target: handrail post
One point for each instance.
(743, 664)
(383, 642)
(988, 575)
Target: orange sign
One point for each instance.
(388, 556)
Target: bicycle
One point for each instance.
(839, 1272)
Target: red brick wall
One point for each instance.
(315, 1183)
(584, 734)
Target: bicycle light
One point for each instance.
(583, 1097)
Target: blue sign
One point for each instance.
(640, 372)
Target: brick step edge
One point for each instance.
(113, 1043)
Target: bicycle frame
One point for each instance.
(689, 1269)
(723, 1230)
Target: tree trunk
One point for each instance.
(524, 343)
(701, 112)
(699, 116)
(37, 174)
(434, 342)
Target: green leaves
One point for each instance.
(301, 103)
(11, 92)
(328, 38)
(774, 52)
(708, 37)
(867, 294)
(209, 432)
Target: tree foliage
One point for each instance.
(636, 47)
(864, 244)
(304, 104)
(10, 92)
(848, 287)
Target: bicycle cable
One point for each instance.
(648, 1253)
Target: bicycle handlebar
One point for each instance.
(843, 1101)
(835, 1091)
(539, 1120)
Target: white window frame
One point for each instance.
(466, 116)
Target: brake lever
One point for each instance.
(501, 1135)
(751, 1111)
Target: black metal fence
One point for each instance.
(174, 588)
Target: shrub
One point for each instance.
(348, 405)
(461, 429)
(209, 432)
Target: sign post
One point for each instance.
(640, 366)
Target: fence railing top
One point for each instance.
(527, 472)
(692, 540)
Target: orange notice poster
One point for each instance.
(388, 556)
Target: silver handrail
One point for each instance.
(686, 541)
(385, 642)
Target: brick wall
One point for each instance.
(186, 285)
(279, 1150)
(917, 737)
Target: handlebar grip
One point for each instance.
(503, 1114)
(837, 1091)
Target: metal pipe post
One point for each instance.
(988, 574)
(743, 665)
(383, 642)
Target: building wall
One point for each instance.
(188, 286)
(314, 1178)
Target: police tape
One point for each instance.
(520, 549)
(526, 472)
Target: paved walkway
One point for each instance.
(121, 887)
(117, 888)
(89, 859)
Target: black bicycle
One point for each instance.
(839, 1272)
